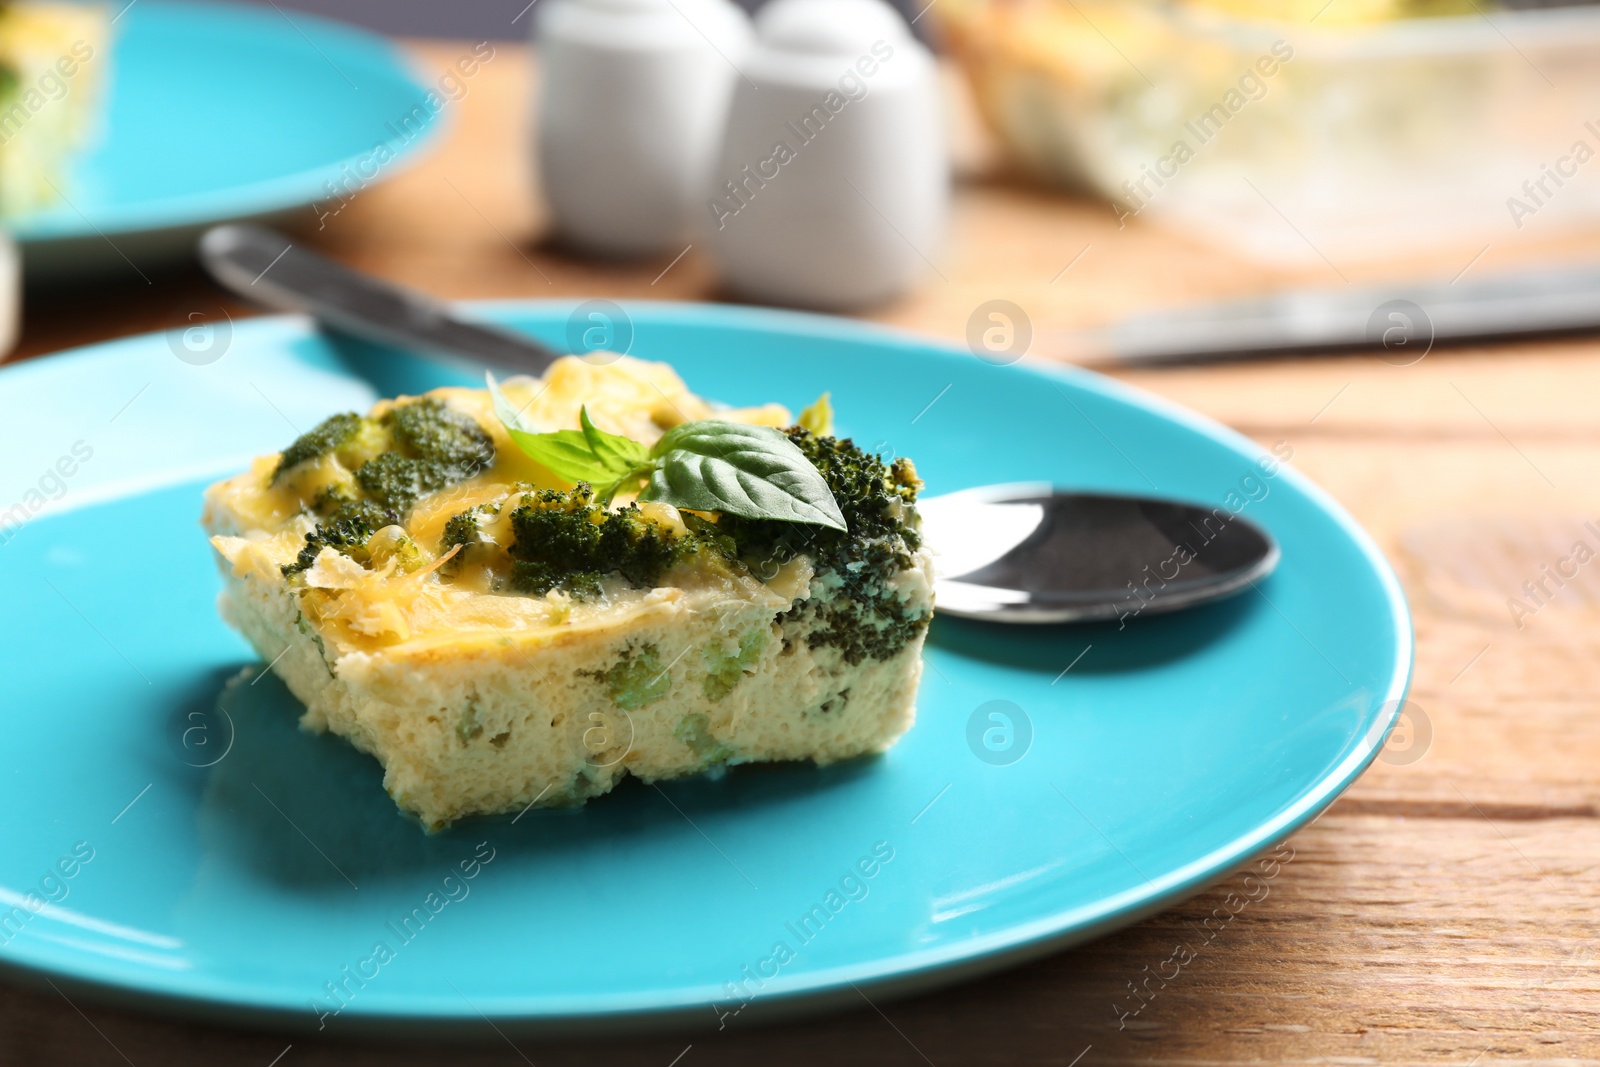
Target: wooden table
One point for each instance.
(1443, 911)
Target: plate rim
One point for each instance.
(904, 974)
(262, 197)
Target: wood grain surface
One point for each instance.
(1444, 911)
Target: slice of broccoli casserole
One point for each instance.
(499, 637)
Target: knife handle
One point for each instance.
(266, 268)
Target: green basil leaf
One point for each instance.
(751, 471)
(508, 415)
(566, 453)
(619, 454)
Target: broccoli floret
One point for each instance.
(324, 438)
(465, 530)
(431, 430)
(413, 450)
(435, 447)
(636, 679)
(563, 540)
(393, 543)
(351, 437)
(864, 617)
(724, 670)
(347, 530)
(400, 482)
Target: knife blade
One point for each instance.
(1398, 322)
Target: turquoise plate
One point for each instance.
(218, 111)
(178, 842)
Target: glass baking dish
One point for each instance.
(1339, 135)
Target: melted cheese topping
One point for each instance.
(261, 525)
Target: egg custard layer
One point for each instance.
(497, 638)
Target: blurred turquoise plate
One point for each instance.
(220, 111)
(1060, 782)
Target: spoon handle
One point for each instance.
(268, 269)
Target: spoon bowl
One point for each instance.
(1030, 553)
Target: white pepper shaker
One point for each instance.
(632, 101)
(833, 185)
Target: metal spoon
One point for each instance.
(1007, 553)
(1030, 553)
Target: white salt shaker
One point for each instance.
(633, 97)
(832, 189)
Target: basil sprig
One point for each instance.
(754, 472)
